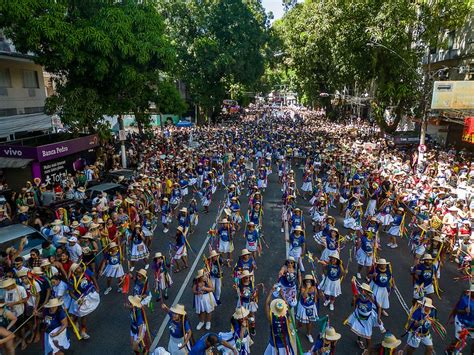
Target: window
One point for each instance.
(30, 79)
(7, 112)
(5, 79)
(451, 35)
(39, 109)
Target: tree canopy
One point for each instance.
(106, 57)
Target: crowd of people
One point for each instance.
(383, 196)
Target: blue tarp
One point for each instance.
(184, 124)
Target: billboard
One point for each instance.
(468, 132)
(453, 95)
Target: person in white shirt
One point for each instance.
(15, 299)
(74, 249)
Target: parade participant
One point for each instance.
(372, 196)
(297, 245)
(181, 250)
(245, 262)
(147, 227)
(56, 338)
(252, 239)
(419, 326)
(180, 341)
(175, 199)
(111, 267)
(204, 301)
(297, 220)
(209, 343)
(7, 321)
(289, 278)
(262, 178)
(247, 296)
(353, 218)
(307, 186)
(225, 233)
(388, 346)
(85, 298)
(396, 227)
(140, 287)
(162, 276)
(206, 195)
(464, 321)
(326, 343)
(331, 283)
(214, 266)
(165, 214)
(193, 213)
(183, 219)
(307, 312)
(138, 250)
(365, 317)
(424, 275)
(89, 250)
(235, 208)
(139, 337)
(365, 246)
(239, 336)
(281, 341)
(384, 216)
(381, 284)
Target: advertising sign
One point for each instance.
(56, 170)
(468, 132)
(453, 95)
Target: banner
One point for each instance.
(468, 133)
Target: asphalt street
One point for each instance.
(109, 325)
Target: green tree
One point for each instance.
(107, 57)
(219, 44)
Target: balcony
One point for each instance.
(442, 55)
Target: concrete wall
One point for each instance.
(16, 96)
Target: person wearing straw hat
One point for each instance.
(289, 278)
(180, 341)
(281, 341)
(419, 326)
(326, 342)
(165, 214)
(204, 300)
(183, 219)
(330, 241)
(83, 291)
(56, 338)
(7, 321)
(396, 227)
(111, 267)
(252, 240)
(297, 220)
(175, 198)
(138, 250)
(297, 244)
(162, 277)
(225, 233)
(140, 287)
(388, 346)
(247, 293)
(365, 245)
(331, 284)
(239, 335)
(193, 212)
(214, 266)
(424, 274)
(139, 338)
(206, 195)
(181, 250)
(147, 228)
(365, 317)
(464, 320)
(307, 312)
(23, 216)
(381, 284)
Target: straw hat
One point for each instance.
(117, 202)
(22, 273)
(158, 255)
(57, 222)
(426, 302)
(308, 277)
(278, 307)
(7, 282)
(56, 229)
(427, 257)
(298, 229)
(213, 254)
(335, 256)
(37, 271)
(240, 313)
(245, 273)
(23, 209)
(366, 287)
(178, 309)
(290, 258)
(86, 219)
(142, 272)
(129, 200)
(53, 302)
(184, 209)
(227, 211)
(135, 301)
(331, 334)
(245, 252)
(199, 274)
(164, 199)
(62, 240)
(45, 262)
(390, 341)
(87, 236)
(224, 221)
(74, 267)
(382, 262)
(81, 189)
(112, 245)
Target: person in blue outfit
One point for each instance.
(180, 341)
(419, 327)
(210, 341)
(138, 326)
(281, 341)
(326, 343)
(56, 338)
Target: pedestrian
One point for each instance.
(307, 311)
(180, 341)
(204, 300)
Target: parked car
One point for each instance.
(11, 236)
(109, 187)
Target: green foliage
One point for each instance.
(376, 46)
(219, 44)
(107, 57)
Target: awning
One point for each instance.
(17, 123)
(13, 163)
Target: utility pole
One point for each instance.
(122, 139)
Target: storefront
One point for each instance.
(51, 162)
